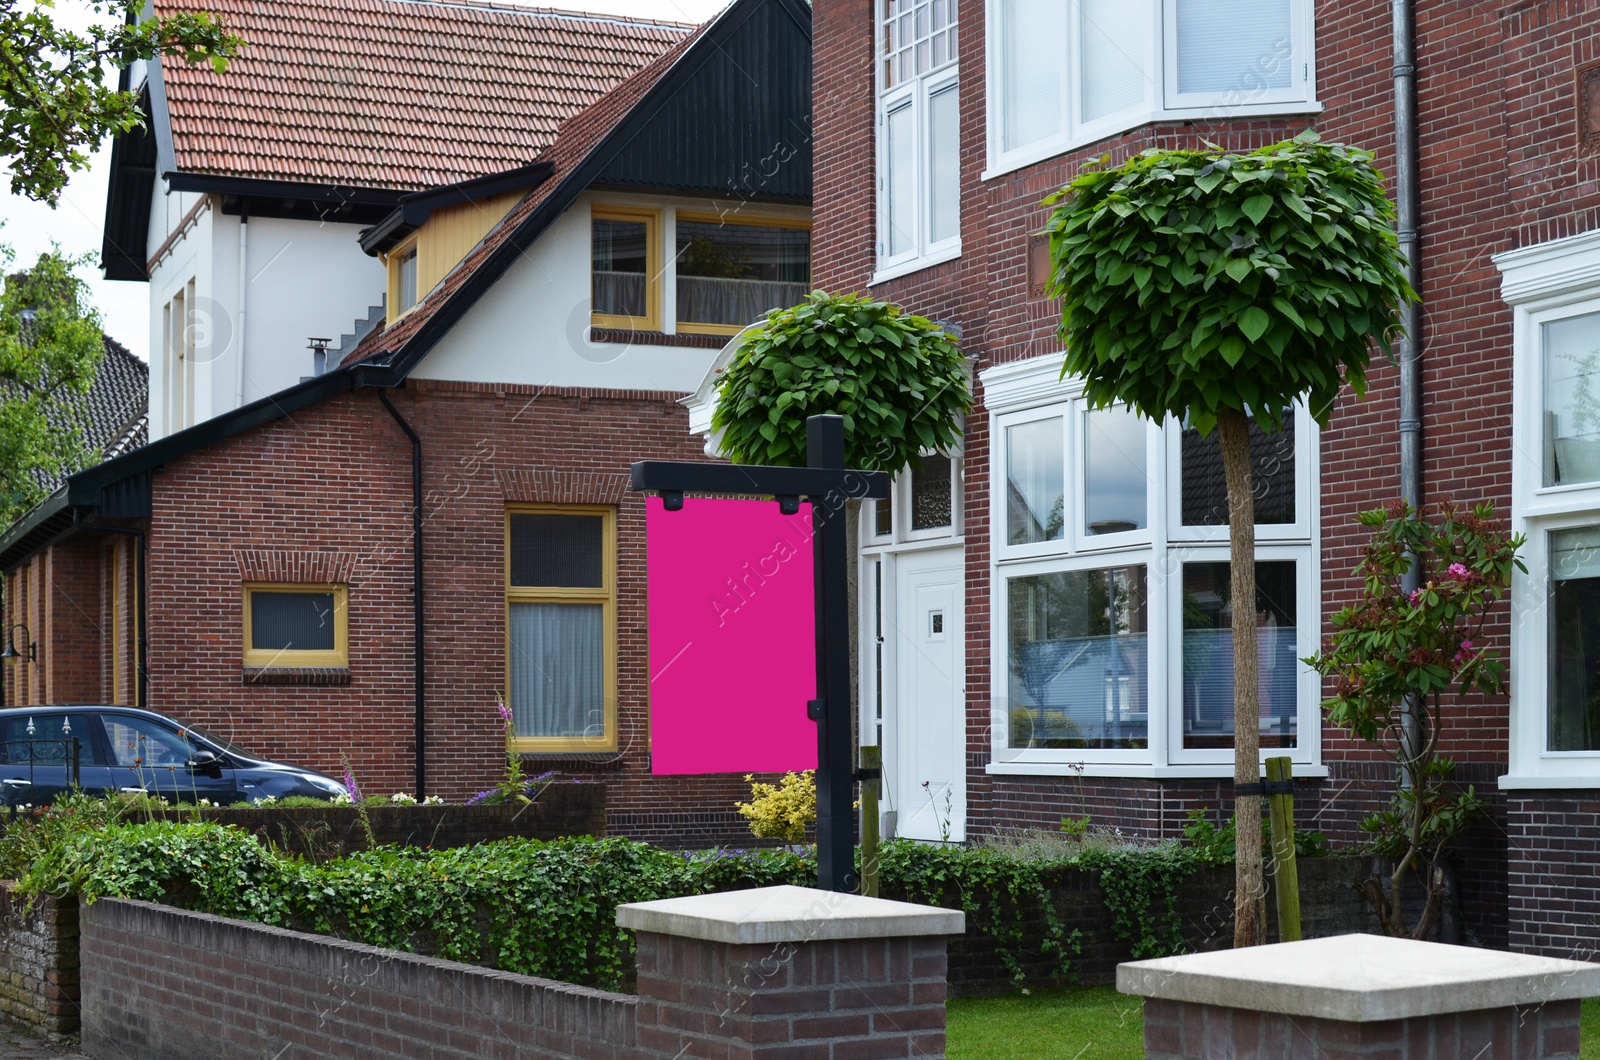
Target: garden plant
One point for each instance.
(1427, 646)
(1216, 288)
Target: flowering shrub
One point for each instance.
(782, 811)
(1394, 655)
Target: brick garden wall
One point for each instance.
(39, 962)
(1502, 168)
(166, 984)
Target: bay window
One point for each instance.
(1554, 290)
(1064, 73)
(1113, 652)
(919, 133)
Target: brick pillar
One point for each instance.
(790, 971)
(1360, 996)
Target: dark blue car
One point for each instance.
(45, 751)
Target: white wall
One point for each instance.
(302, 278)
(532, 326)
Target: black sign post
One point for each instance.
(827, 484)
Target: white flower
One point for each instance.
(433, 800)
(341, 799)
(266, 800)
(400, 798)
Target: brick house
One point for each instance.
(362, 561)
(939, 130)
(246, 194)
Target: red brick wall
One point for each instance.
(1501, 169)
(329, 489)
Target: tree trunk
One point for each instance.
(1249, 921)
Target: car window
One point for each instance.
(136, 742)
(47, 738)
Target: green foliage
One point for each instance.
(50, 347)
(32, 832)
(1394, 654)
(1198, 280)
(1141, 891)
(782, 811)
(1215, 845)
(899, 381)
(55, 103)
(1000, 894)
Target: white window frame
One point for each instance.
(1161, 57)
(915, 93)
(1032, 390)
(1542, 284)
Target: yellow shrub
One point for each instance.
(781, 811)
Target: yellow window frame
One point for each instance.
(753, 221)
(391, 262)
(651, 321)
(338, 656)
(605, 595)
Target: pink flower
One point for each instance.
(1457, 570)
(1416, 595)
(505, 712)
(1465, 653)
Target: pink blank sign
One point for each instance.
(732, 656)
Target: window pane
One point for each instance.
(1208, 654)
(1035, 489)
(50, 740)
(944, 165)
(901, 160)
(291, 621)
(733, 274)
(1575, 640)
(1032, 51)
(557, 672)
(620, 269)
(557, 551)
(1233, 46)
(136, 742)
(1115, 483)
(1205, 486)
(1571, 404)
(1080, 667)
(408, 280)
(1114, 36)
(883, 518)
(930, 493)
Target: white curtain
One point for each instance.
(716, 300)
(557, 670)
(619, 293)
(1233, 45)
(1033, 47)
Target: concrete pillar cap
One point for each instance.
(787, 914)
(1360, 978)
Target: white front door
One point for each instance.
(925, 765)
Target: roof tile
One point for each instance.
(401, 94)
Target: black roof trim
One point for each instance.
(128, 195)
(307, 191)
(575, 182)
(87, 488)
(47, 523)
(415, 208)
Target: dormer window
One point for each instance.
(404, 272)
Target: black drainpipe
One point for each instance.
(1407, 222)
(140, 596)
(418, 625)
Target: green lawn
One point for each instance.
(1091, 1023)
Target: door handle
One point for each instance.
(17, 783)
(132, 791)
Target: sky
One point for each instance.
(76, 224)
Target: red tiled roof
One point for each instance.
(394, 93)
(578, 138)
